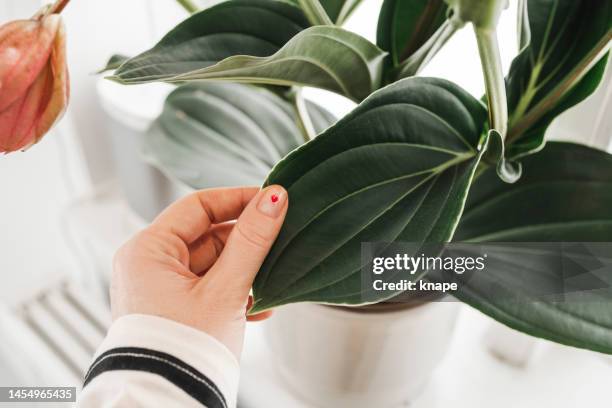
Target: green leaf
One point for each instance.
(326, 57)
(404, 26)
(565, 195)
(250, 27)
(561, 63)
(217, 134)
(397, 168)
(337, 10)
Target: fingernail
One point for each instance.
(272, 201)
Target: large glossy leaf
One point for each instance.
(217, 134)
(557, 68)
(404, 26)
(337, 10)
(397, 168)
(323, 56)
(236, 27)
(564, 195)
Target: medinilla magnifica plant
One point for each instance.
(418, 160)
(34, 86)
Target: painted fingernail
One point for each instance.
(272, 201)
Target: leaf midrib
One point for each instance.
(259, 62)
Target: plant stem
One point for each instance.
(490, 58)
(315, 12)
(189, 5)
(57, 7)
(417, 61)
(303, 118)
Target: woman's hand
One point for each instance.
(195, 266)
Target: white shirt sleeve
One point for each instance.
(149, 361)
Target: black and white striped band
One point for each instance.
(179, 373)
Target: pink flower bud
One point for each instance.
(34, 85)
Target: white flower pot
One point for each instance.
(341, 357)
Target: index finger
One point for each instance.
(192, 216)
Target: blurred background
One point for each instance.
(70, 201)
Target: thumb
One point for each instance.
(249, 242)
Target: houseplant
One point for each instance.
(419, 160)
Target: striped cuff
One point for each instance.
(179, 373)
(188, 358)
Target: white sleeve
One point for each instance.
(147, 361)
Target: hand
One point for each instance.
(195, 266)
